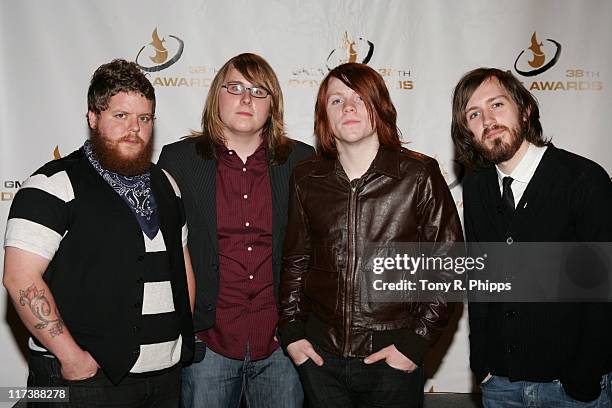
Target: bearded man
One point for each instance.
(96, 261)
(524, 189)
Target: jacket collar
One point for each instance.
(385, 162)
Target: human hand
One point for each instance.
(300, 351)
(393, 357)
(80, 367)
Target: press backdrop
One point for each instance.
(561, 50)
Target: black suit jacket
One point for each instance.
(196, 178)
(569, 199)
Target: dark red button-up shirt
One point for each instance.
(246, 308)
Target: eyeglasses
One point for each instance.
(236, 88)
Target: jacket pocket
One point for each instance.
(324, 258)
(321, 284)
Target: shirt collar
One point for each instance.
(526, 167)
(260, 154)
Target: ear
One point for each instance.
(527, 114)
(92, 118)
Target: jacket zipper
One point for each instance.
(349, 272)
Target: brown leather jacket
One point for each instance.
(401, 198)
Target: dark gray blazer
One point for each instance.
(195, 176)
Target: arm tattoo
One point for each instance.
(41, 309)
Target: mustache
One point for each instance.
(493, 128)
(131, 137)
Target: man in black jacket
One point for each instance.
(96, 258)
(524, 189)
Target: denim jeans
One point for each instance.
(499, 392)
(154, 391)
(349, 382)
(221, 382)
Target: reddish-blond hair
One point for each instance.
(368, 84)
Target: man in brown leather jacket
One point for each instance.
(364, 188)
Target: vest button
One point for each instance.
(136, 328)
(140, 258)
(140, 281)
(209, 307)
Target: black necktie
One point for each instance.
(507, 196)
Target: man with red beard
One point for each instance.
(524, 189)
(96, 261)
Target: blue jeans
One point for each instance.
(499, 392)
(218, 381)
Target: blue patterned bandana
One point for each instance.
(134, 190)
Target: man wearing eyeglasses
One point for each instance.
(96, 258)
(234, 176)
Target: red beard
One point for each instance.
(110, 156)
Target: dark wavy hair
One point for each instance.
(117, 76)
(526, 102)
(368, 84)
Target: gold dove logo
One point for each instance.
(350, 50)
(157, 51)
(349, 46)
(538, 55)
(161, 53)
(538, 62)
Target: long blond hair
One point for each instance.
(256, 70)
